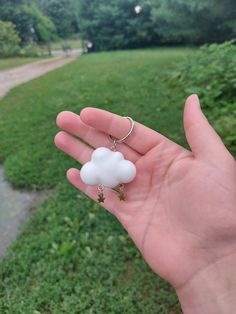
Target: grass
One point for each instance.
(73, 43)
(8, 63)
(72, 256)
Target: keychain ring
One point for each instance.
(119, 141)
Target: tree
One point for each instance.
(224, 18)
(63, 13)
(44, 29)
(9, 39)
(115, 24)
(30, 23)
(192, 21)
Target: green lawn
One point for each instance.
(73, 256)
(15, 62)
(73, 43)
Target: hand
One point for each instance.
(181, 207)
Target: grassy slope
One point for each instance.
(73, 43)
(73, 257)
(14, 62)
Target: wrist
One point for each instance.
(212, 290)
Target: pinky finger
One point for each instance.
(73, 176)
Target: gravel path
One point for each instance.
(17, 76)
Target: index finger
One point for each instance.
(142, 138)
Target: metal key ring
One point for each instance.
(119, 141)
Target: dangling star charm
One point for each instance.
(121, 192)
(121, 196)
(101, 198)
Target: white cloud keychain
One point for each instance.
(108, 168)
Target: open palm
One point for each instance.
(180, 208)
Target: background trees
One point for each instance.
(31, 24)
(63, 13)
(115, 24)
(9, 39)
(194, 22)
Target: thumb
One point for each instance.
(202, 138)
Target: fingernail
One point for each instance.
(197, 101)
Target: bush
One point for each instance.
(9, 43)
(29, 51)
(211, 73)
(9, 40)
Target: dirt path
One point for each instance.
(17, 76)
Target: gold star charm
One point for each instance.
(101, 198)
(121, 192)
(121, 196)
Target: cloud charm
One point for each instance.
(107, 168)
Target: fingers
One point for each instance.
(71, 123)
(142, 139)
(74, 148)
(73, 176)
(202, 138)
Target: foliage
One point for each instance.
(159, 22)
(63, 13)
(74, 257)
(118, 24)
(44, 28)
(211, 73)
(29, 51)
(9, 42)
(9, 39)
(194, 21)
(114, 24)
(30, 23)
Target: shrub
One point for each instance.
(9, 43)
(29, 51)
(211, 73)
(9, 40)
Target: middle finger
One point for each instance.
(71, 123)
